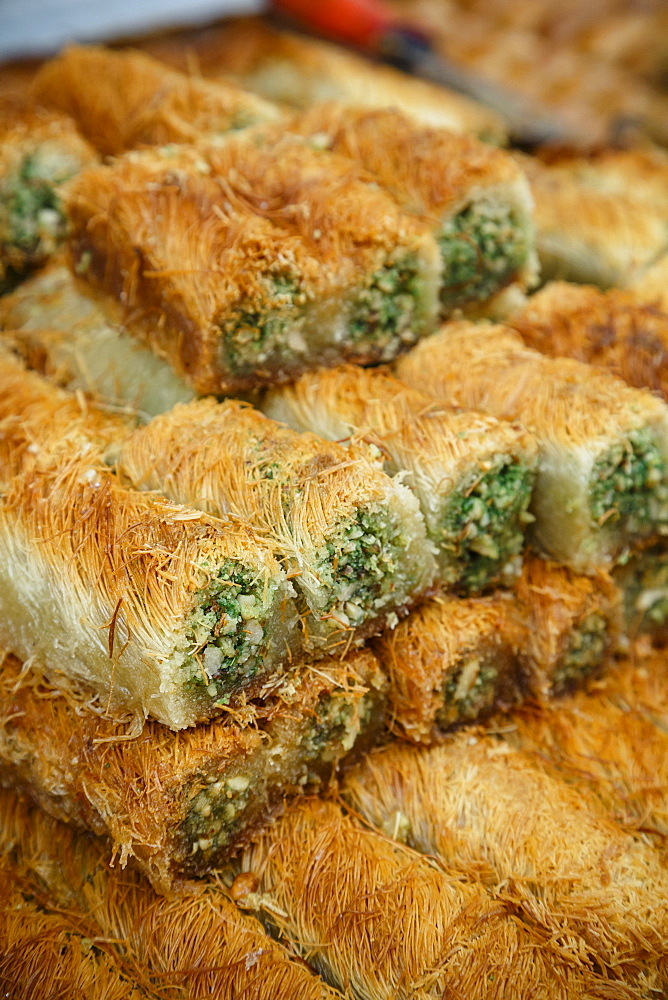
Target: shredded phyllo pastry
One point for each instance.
(198, 944)
(475, 199)
(451, 661)
(472, 474)
(587, 232)
(374, 916)
(180, 803)
(123, 99)
(351, 539)
(39, 151)
(618, 329)
(46, 952)
(233, 299)
(569, 624)
(481, 806)
(66, 331)
(166, 610)
(300, 71)
(607, 740)
(602, 481)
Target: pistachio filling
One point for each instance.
(469, 691)
(217, 812)
(227, 635)
(584, 654)
(269, 331)
(362, 566)
(333, 730)
(482, 528)
(644, 584)
(386, 312)
(482, 248)
(223, 804)
(629, 485)
(34, 219)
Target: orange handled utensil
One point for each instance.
(372, 27)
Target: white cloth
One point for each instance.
(40, 27)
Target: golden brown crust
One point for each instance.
(104, 583)
(613, 329)
(349, 401)
(232, 299)
(123, 99)
(300, 493)
(39, 150)
(431, 171)
(450, 661)
(587, 234)
(479, 805)
(585, 421)
(37, 420)
(301, 71)
(65, 329)
(356, 902)
(24, 125)
(489, 367)
(570, 623)
(642, 172)
(48, 954)
(163, 798)
(604, 740)
(200, 944)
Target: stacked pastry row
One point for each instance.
(518, 858)
(219, 568)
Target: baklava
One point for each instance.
(602, 480)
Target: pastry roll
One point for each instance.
(39, 150)
(452, 660)
(599, 739)
(590, 235)
(198, 944)
(472, 474)
(298, 71)
(164, 610)
(475, 199)
(569, 622)
(383, 923)
(39, 421)
(234, 300)
(181, 803)
(124, 99)
(550, 849)
(602, 480)
(47, 953)
(642, 171)
(351, 539)
(79, 339)
(611, 329)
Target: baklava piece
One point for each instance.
(182, 803)
(39, 151)
(121, 99)
(472, 474)
(602, 480)
(475, 199)
(234, 300)
(453, 660)
(351, 539)
(614, 329)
